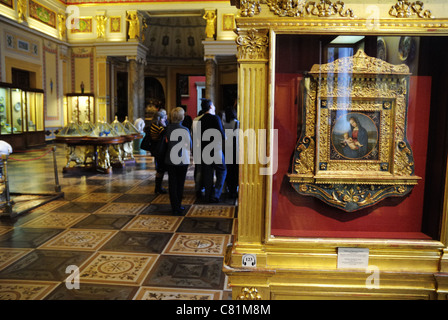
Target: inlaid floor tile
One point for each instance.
(76, 239)
(98, 197)
(133, 198)
(55, 220)
(147, 293)
(187, 272)
(153, 223)
(80, 207)
(50, 206)
(79, 188)
(25, 290)
(160, 209)
(8, 255)
(88, 291)
(206, 225)
(198, 244)
(27, 237)
(104, 221)
(211, 211)
(48, 265)
(117, 268)
(132, 241)
(188, 198)
(121, 208)
(111, 188)
(142, 189)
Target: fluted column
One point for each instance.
(253, 56)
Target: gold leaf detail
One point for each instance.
(406, 9)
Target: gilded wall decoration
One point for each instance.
(253, 45)
(249, 8)
(115, 24)
(406, 9)
(85, 26)
(42, 14)
(300, 8)
(8, 3)
(354, 150)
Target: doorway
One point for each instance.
(122, 96)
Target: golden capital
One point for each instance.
(253, 44)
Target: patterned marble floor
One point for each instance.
(113, 233)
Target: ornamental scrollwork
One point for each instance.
(249, 294)
(406, 9)
(253, 45)
(300, 8)
(305, 160)
(249, 8)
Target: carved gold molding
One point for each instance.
(249, 294)
(253, 44)
(300, 8)
(249, 8)
(406, 9)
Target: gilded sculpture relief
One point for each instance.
(354, 151)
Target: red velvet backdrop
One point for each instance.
(305, 216)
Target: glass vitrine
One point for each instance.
(21, 110)
(80, 106)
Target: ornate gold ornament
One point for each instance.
(354, 151)
(406, 9)
(210, 28)
(300, 8)
(249, 294)
(101, 26)
(253, 45)
(249, 8)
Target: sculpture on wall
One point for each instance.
(101, 26)
(353, 151)
(210, 29)
(134, 25)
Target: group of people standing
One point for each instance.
(171, 146)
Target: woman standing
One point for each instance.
(177, 158)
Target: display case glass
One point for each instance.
(21, 110)
(82, 106)
(422, 95)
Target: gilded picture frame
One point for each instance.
(354, 152)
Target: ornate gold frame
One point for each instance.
(296, 268)
(366, 85)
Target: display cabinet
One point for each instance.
(80, 107)
(349, 199)
(21, 116)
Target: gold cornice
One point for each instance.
(300, 8)
(338, 26)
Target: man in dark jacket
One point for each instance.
(212, 155)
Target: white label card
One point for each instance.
(353, 258)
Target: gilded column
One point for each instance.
(102, 88)
(252, 56)
(210, 78)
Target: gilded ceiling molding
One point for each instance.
(249, 8)
(406, 9)
(252, 44)
(300, 8)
